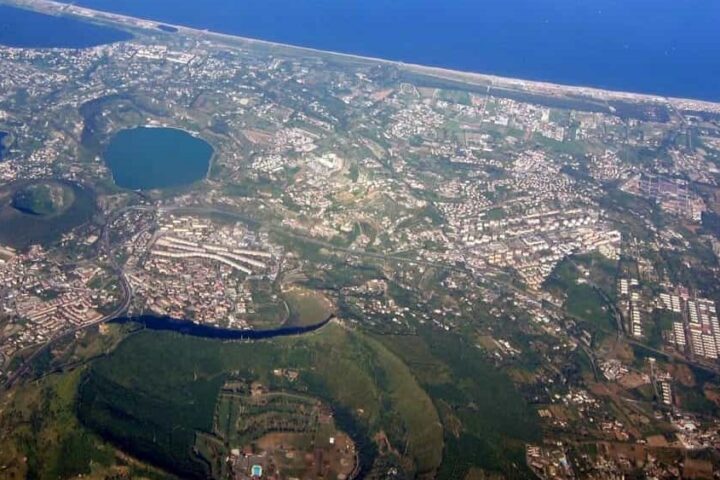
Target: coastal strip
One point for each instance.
(469, 78)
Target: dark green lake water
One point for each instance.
(145, 158)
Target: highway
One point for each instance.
(117, 312)
(310, 240)
(105, 247)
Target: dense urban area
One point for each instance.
(501, 278)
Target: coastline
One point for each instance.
(471, 78)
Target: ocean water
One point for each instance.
(668, 47)
(26, 29)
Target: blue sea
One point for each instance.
(26, 29)
(668, 47)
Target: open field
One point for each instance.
(306, 307)
(583, 299)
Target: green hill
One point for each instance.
(43, 199)
(158, 390)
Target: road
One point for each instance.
(105, 247)
(127, 294)
(623, 336)
(311, 240)
(117, 312)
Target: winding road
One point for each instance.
(117, 312)
(127, 293)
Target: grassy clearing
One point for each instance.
(270, 309)
(584, 302)
(307, 307)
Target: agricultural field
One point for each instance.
(270, 309)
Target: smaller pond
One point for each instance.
(26, 29)
(146, 158)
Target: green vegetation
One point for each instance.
(246, 413)
(625, 209)
(661, 321)
(41, 423)
(569, 147)
(495, 214)
(455, 96)
(242, 417)
(586, 282)
(40, 213)
(415, 410)
(158, 390)
(693, 400)
(154, 419)
(43, 199)
(307, 307)
(270, 310)
(41, 438)
(486, 421)
(585, 302)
